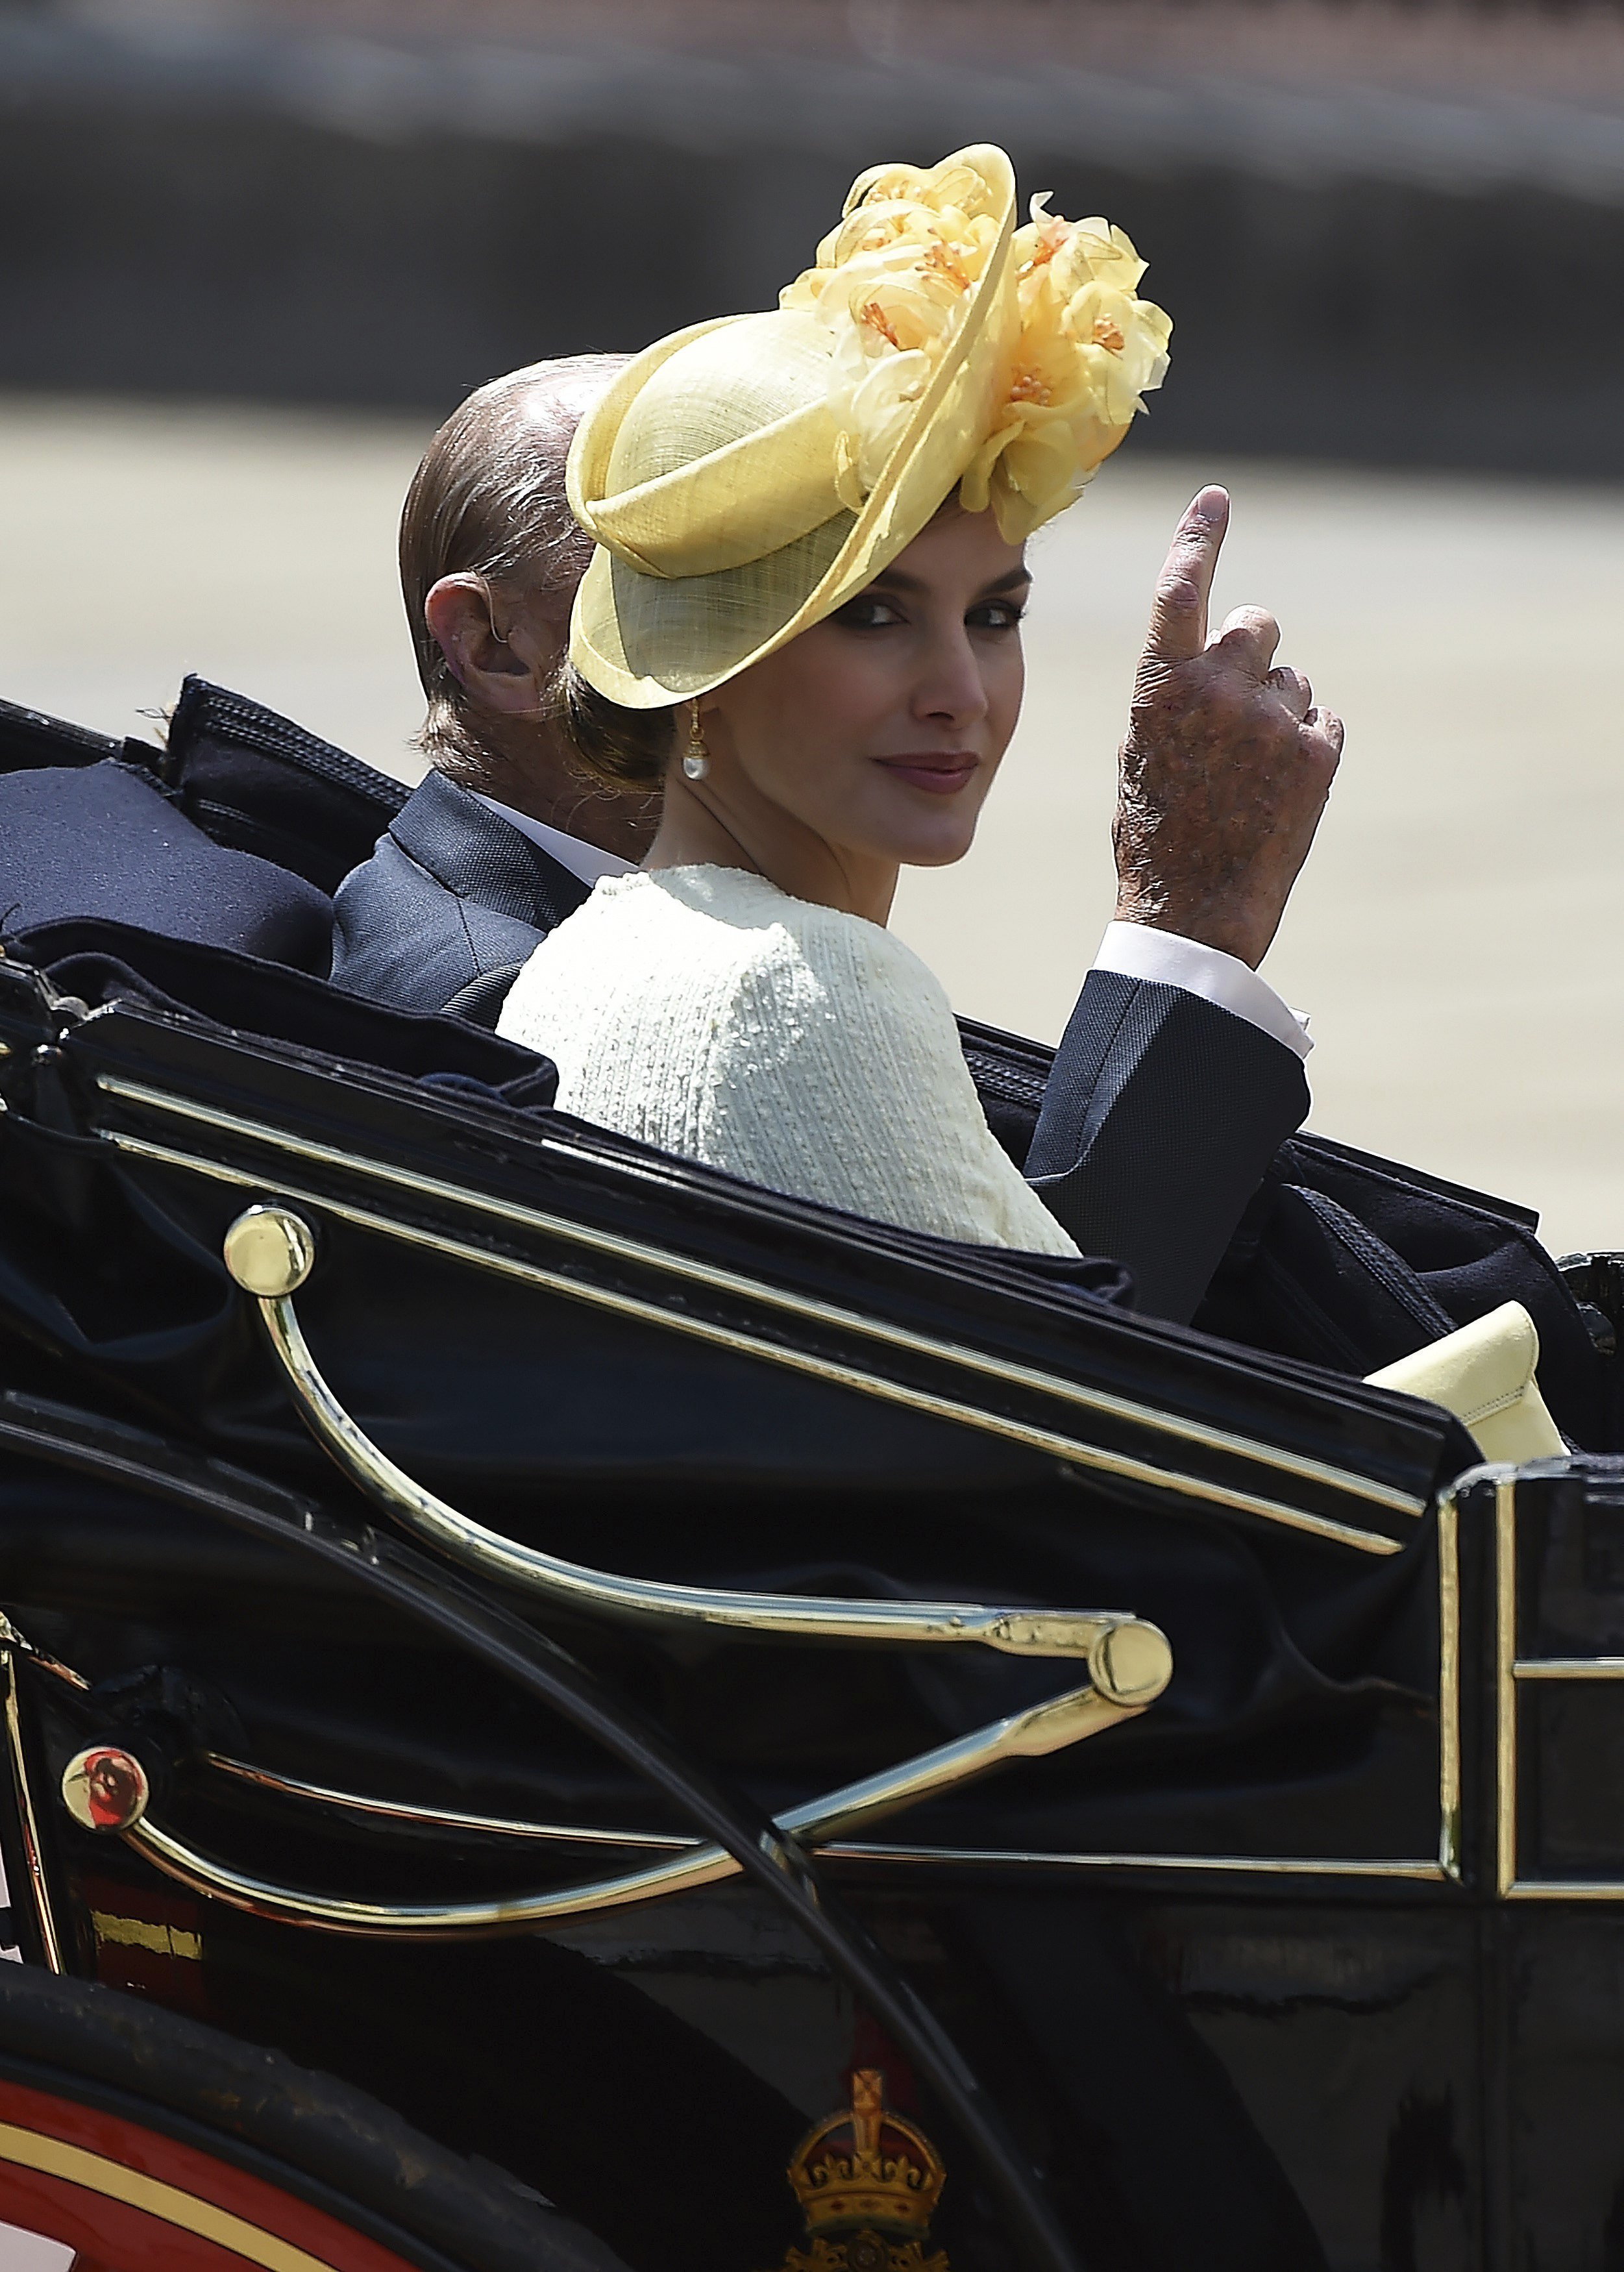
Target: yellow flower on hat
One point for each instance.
(891, 282)
(743, 477)
(1087, 352)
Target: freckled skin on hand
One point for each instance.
(1226, 766)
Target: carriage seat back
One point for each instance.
(257, 782)
(230, 775)
(103, 841)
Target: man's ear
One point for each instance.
(503, 666)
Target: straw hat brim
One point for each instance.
(648, 640)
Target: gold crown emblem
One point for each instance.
(867, 2167)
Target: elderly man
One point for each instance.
(1180, 1072)
(505, 837)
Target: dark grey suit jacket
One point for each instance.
(1146, 1134)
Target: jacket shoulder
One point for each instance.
(404, 933)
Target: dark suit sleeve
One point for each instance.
(1160, 1116)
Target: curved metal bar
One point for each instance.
(205, 1873)
(1113, 1643)
(837, 1849)
(1042, 1729)
(10, 1637)
(440, 1818)
(445, 1605)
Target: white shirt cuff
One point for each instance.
(1139, 951)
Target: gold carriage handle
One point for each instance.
(270, 1252)
(105, 1788)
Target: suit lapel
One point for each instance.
(474, 853)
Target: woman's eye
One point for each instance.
(996, 616)
(866, 613)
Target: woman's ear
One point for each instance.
(504, 668)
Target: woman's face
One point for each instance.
(879, 730)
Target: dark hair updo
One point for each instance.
(625, 749)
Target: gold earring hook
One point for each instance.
(696, 757)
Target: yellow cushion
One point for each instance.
(1484, 1375)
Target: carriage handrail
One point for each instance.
(438, 1602)
(270, 1252)
(1033, 1733)
(369, 1808)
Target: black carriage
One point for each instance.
(561, 1710)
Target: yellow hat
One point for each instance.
(745, 477)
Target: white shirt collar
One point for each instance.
(583, 860)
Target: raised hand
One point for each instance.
(1226, 766)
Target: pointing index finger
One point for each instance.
(1178, 612)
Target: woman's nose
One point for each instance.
(951, 686)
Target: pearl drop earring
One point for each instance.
(696, 757)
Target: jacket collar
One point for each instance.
(474, 853)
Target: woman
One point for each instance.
(810, 528)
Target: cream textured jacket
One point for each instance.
(706, 1011)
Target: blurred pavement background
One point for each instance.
(260, 247)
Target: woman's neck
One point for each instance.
(699, 828)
